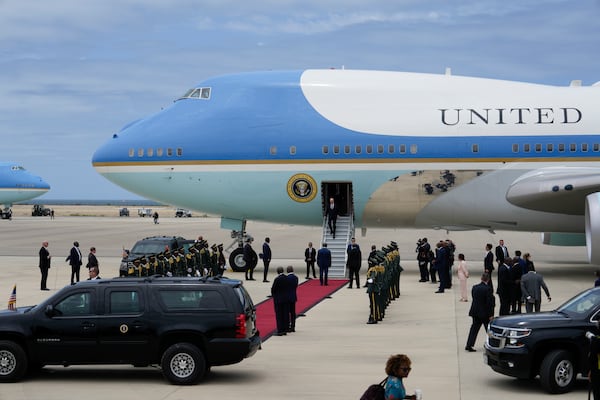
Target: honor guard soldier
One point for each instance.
(169, 263)
(200, 269)
(189, 264)
(153, 265)
(205, 258)
(134, 270)
(181, 262)
(214, 264)
(221, 259)
(144, 267)
(191, 261)
(374, 273)
(160, 264)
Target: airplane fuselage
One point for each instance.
(402, 149)
(17, 184)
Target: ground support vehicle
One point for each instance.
(183, 213)
(144, 212)
(39, 210)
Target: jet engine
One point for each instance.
(592, 227)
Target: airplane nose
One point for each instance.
(42, 184)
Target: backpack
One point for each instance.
(375, 391)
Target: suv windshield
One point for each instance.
(581, 304)
(149, 247)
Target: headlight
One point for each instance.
(514, 336)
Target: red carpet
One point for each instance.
(310, 293)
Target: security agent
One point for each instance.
(594, 362)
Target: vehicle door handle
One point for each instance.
(137, 324)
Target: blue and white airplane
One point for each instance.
(395, 149)
(17, 184)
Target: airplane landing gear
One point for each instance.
(236, 258)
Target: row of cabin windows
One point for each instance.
(358, 149)
(551, 147)
(391, 149)
(149, 152)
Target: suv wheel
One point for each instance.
(13, 361)
(557, 372)
(183, 364)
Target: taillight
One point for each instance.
(240, 326)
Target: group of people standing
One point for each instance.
(434, 265)
(518, 283)
(284, 294)
(251, 258)
(75, 260)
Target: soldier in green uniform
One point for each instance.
(221, 259)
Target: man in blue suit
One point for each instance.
(266, 257)
(324, 262)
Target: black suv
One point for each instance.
(185, 325)
(151, 246)
(550, 344)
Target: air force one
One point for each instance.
(17, 184)
(394, 149)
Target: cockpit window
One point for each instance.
(17, 168)
(197, 93)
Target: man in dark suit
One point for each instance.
(74, 259)
(292, 296)
(501, 252)
(250, 258)
(324, 262)
(488, 263)
(92, 260)
(266, 257)
(310, 256)
(482, 309)
(280, 294)
(505, 284)
(354, 262)
(442, 266)
(332, 213)
(44, 265)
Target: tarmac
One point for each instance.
(333, 354)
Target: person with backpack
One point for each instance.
(397, 368)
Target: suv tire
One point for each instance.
(13, 361)
(557, 372)
(183, 364)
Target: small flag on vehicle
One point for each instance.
(12, 300)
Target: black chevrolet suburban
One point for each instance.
(552, 345)
(184, 325)
(151, 246)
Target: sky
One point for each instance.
(73, 72)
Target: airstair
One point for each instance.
(343, 233)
